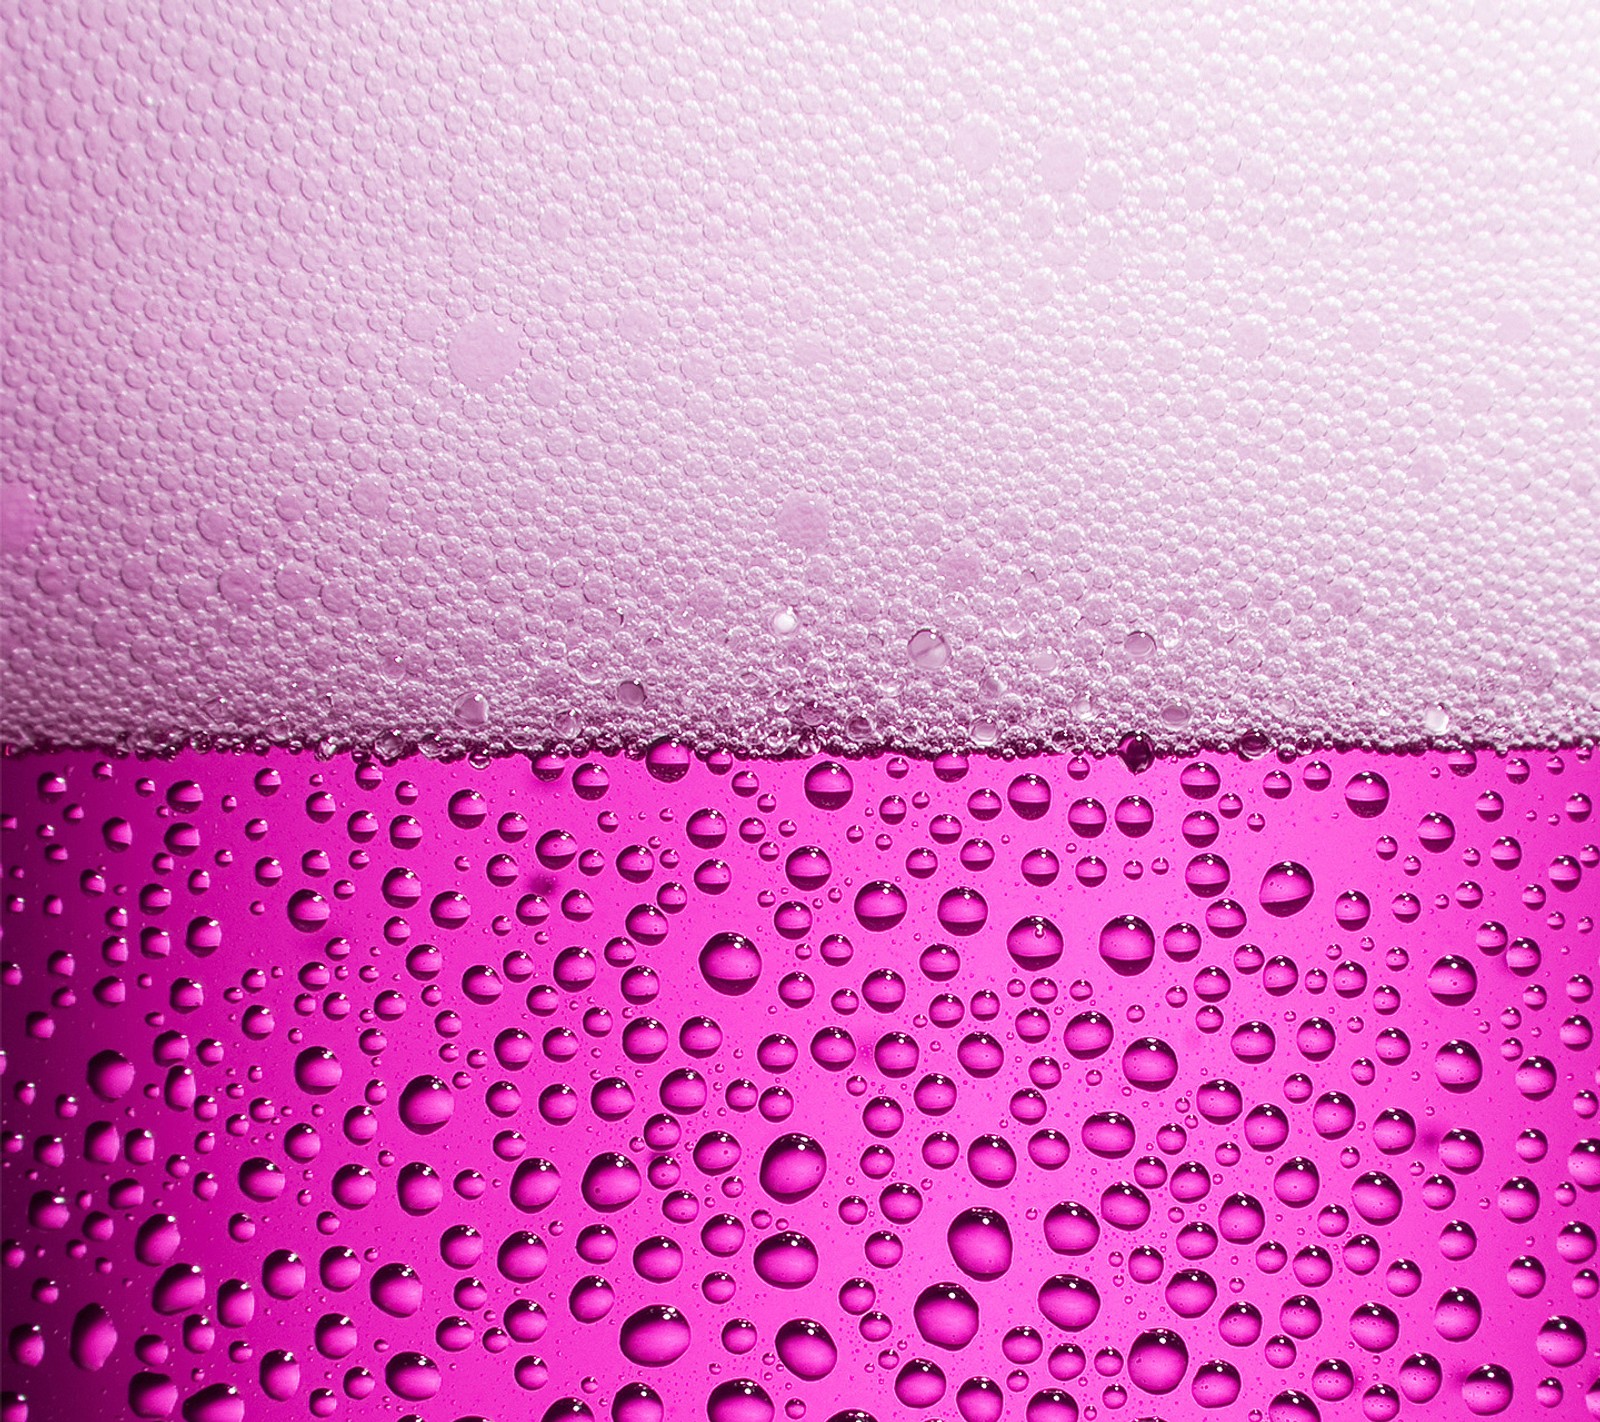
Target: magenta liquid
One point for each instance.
(694, 1087)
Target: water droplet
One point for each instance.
(611, 1182)
(413, 1377)
(730, 963)
(1286, 888)
(792, 1167)
(426, 1105)
(655, 1336)
(828, 785)
(739, 1400)
(1070, 1302)
(1158, 1360)
(806, 1348)
(880, 905)
(786, 1260)
(1127, 945)
(1367, 794)
(962, 911)
(1035, 943)
(980, 1242)
(1149, 1063)
(93, 1337)
(946, 1316)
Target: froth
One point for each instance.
(820, 376)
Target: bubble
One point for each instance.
(1296, 1182)
(962, 911)
(1051, 1404)
(308, 910)
(1134, 816)
(1420, 1377)
(1088, 1035)
(317, 1071)
(1207, 875)
(1108, 1134)
(637, 1402)
(980, 1054)
(110, 1074)
(1087, 817)
(992, 1161)
(833, 1048)
(1375, 1327)
(1190, 1293)
(1437, 832)
(158, 1240)
(1457, 1315)
(1071, 1228)
(522, 1257)
(1253, 1042)
(591, 1299)
(534, 1184)
(1029, 796)
(980, 1400)
(280, 1374)
(397, 1289)
(1216, 1384)
(261, 1179)
(808, 868)
(1562, 1341)
(668, 760)
(1137, 752)
(927, 649)
(1377, 1199)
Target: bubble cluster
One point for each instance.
(689, 1086)
(482, 375)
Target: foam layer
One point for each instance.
(501, 373)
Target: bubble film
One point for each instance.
(812, 375)
(689, 1087)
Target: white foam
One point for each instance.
(921, 373)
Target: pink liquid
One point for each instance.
(1036, 1089)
